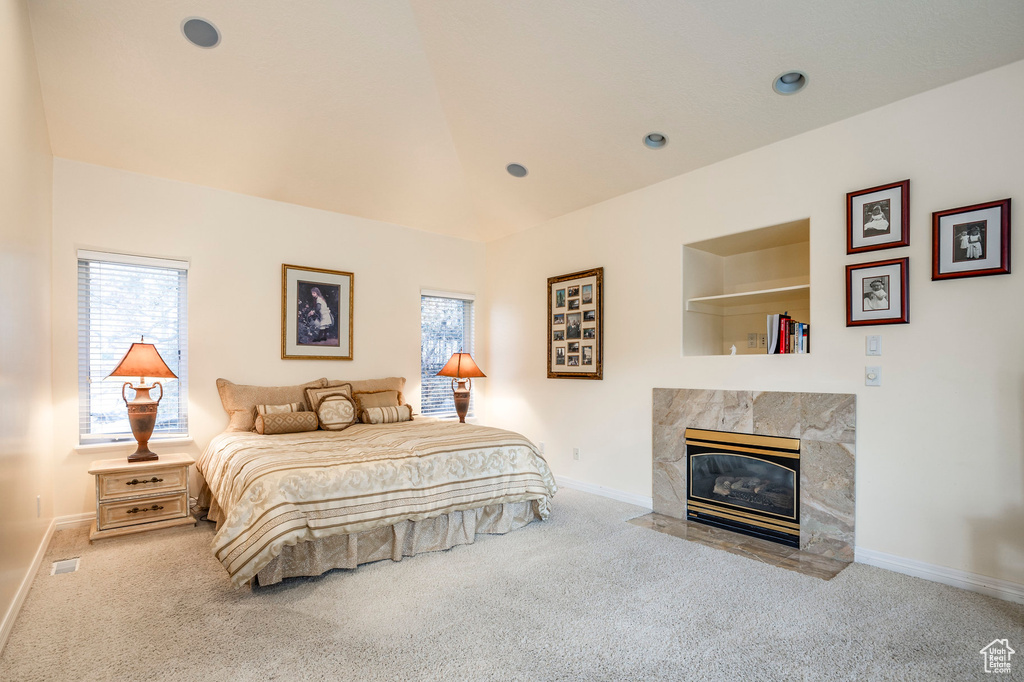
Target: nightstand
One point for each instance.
(140, 496)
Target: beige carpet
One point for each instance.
(584, 596)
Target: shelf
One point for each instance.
(737, 304)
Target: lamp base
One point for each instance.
(461, 403)
(142, 418)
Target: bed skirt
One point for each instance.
(406, 538)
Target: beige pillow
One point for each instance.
(240, 401)
(375, 385)
(386, 415)
(315, 395)
(286, 422)
(264, 410)
(336, 413)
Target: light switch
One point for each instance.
(872, 376)
(874, 345)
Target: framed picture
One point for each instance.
(878, 293)
(972, 241)
(316, 313)
(878, 218)
(581, 296)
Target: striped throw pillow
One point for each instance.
(336, 413)
(286, 422)
(387, 415)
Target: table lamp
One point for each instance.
(142, 360)
(461, 367)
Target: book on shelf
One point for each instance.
(786, 335)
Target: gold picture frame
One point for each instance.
(576, 325)
(316, 313)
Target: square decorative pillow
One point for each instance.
(286, 422)
(374, 385)
(240, 401)
(336, 413)
(365, 401)
(386, 415)
(315, 395)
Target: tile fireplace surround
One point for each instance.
(825, 423)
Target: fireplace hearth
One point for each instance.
(745, 483)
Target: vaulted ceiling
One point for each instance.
(408, 111)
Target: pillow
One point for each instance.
(386, 415)
(286, 422)
(315, 395)
(240, 401)
(264, 410)
(336, 413)
(375, 385)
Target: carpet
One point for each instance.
(582, 596)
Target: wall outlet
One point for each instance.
(576, 454)
(762, 340)
(541, 446)
(752, 340)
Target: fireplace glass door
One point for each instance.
(744, 482)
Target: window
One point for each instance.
(446, 322)
(120, 300)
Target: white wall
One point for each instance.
(26, 187)
(236, 245)
(939, 454)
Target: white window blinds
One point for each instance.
(120, 300)
(446, 322)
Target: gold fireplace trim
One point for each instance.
(752, 522)
(748, 518)
(754, 443)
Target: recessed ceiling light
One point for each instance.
(200, 32)
(516, 170)
(790, 82)
(655, 140)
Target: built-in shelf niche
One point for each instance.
(731, 283)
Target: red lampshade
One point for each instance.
(460, 366)
(143, 360)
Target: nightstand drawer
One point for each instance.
(133, 484)
(140, 511)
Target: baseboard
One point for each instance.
(74, 520)
(965, 580)
(638, 500)
(26, 584)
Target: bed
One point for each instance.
(301, 504)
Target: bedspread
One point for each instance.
(279, 490)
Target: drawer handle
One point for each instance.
(136, 510)
(136, 481)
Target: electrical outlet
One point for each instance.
(576, 454)
(762, 340)
(752, 340)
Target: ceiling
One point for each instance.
(408, 111)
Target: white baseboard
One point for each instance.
(638, 500)
(26, 584)
(965, 580)
(74, 520)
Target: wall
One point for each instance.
(939, 445)
(236, 245)
(25, 195)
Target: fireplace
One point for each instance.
(745, 483)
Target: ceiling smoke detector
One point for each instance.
(790, 82)
(655, 140)
(200, 32)
(516, 170)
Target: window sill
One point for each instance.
(126, 445)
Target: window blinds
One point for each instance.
(120, 300)
(446, 327)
